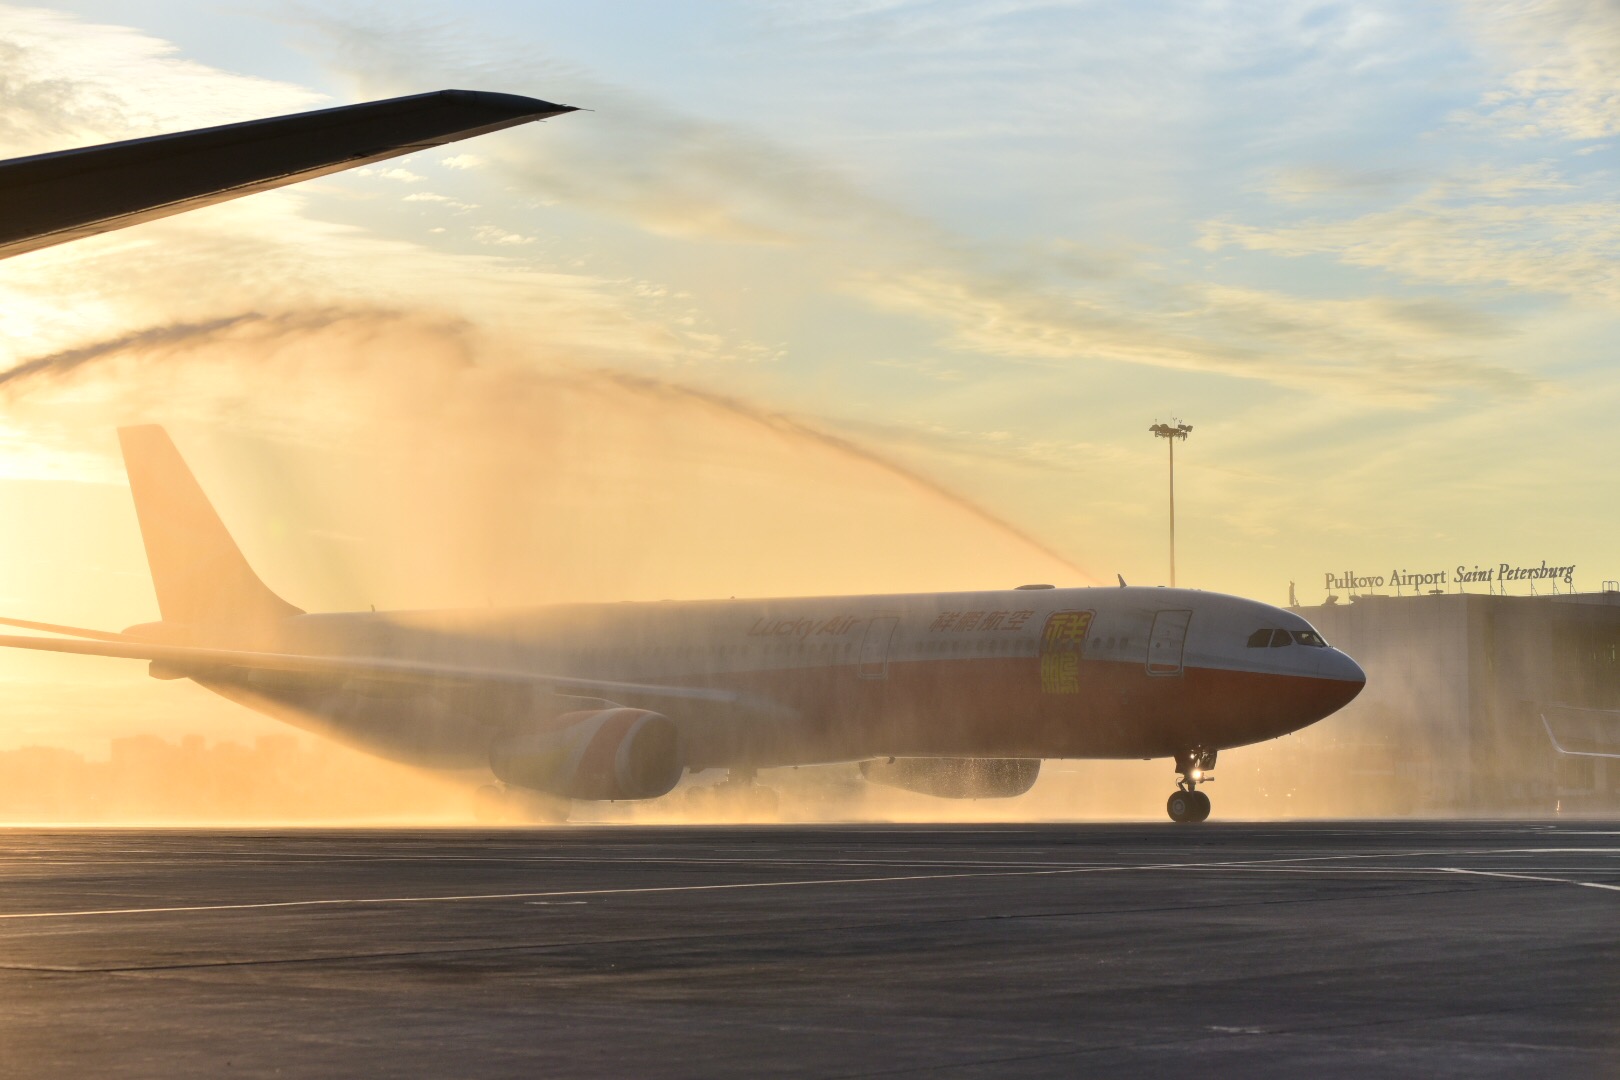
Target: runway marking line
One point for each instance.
(1532, 877)
(1240, 865)
(677, 860)
(543, 895)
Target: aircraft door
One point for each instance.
(1167, 642)
(875, 646)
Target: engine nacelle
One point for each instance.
(956, 778)
(599, 754)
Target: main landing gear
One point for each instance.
(1188, 803)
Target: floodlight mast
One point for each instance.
(1170, 433)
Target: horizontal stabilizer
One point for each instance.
(52, 198)
(70, 631)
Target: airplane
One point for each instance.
(67, 195)
(960, 695)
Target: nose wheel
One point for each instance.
(1188, 804)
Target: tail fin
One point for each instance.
(202, 581)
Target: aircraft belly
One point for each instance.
(413, 732)
(997, 707)
(806, 713)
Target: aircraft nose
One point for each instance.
(1342, 667)
(1345, 681)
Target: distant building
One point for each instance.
(1482, 702)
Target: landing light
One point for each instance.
(1198, 774)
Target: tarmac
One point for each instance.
(1431, 949)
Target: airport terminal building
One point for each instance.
(1480, 702)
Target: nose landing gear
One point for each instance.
(1188, 803)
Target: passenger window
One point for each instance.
(1279, 638)
(1260, 639)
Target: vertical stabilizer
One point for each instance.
(203, 583)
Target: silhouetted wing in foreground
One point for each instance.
(52, 198)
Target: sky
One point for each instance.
(856, 296)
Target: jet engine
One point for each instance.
(598, 754)
(956, 778)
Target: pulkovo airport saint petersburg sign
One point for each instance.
(1494, 576)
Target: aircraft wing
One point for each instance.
(194, 661)
(53, 198)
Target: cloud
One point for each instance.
(1311, 183)
(1394, 352)
(65, 81)
(671, 173)
(1480, 231)
(75, 82)
(1564, 61)
(435, 197)
(492, 234)
(976, 448)
(639, 161)
(287, 249)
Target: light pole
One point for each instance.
(1170, 433)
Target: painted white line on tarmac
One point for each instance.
(610, 862)
(636, 891)
(1531, 877)
(557, 894)
(1239, 866)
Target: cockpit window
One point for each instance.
(1273, 638)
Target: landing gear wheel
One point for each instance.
(1188, 806)
(1195, 767)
